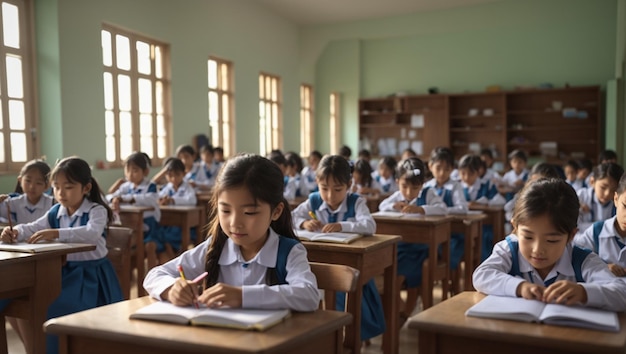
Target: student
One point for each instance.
(219, 155)
(362, 181)
(412, 198)
(365, 154)
(294, 168)
(253, 258)
(187, 154)
(386, 175)
(514, 179)
(608, 238)
(489, 174)
(607, 156)
(175, 192)
(121, 180)
(538, 261)
(346, 152)
(571, 175)
(277, 157)
(32, 203)
(337, 210)
(138, 190)
(88, 278)
(441, 164)
(203, 175)
(408, 152)
(585, 169)
(596, 201)
(308, 172)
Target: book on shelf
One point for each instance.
(248, 319)
(335, 237)
(520, 309)
(397, 214)
(32, 247)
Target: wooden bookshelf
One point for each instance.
(502, 121)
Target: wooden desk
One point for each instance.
(185, 217)
(495, 217)
(297, 201)
(471, 226)
(430, 230)
(132, 216)
(444, 328)
(108, 329)
(371, 255)
(33, 281)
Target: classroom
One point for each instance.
(341, 52)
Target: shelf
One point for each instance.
(474, 130)
(380, 113)
(553, 127)
(460, 117)
(559, 143)
(386, 125)
(538, 113)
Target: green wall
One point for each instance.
(507, 43)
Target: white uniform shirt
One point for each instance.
(373, 185)
(205, 175)
(459, 203)
(23, 210)
(608, 248)
(472, 192)
(604, 290)
(299, 294)
(361, 223)
(70, 230)
(434, 204)
(597, 211)
(145, 194)
(308, 179)
(511, 177)
(387, 185)
(291, 187)
(184, 195)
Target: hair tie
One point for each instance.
(415, 172)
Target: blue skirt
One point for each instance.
(487, 244)
(4, 303)
(372, 315)
(153, 232)
(457, 249)
(84, 285)
(411, 256)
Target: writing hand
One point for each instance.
(334, 227)
(44, 235)
(9, 235)
(312, 225)
(565, 292)
(530, 291)
(222, 295)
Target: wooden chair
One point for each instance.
(333, 278)
(119, 240)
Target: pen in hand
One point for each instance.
(312, 215)
(10, 222)
(182, 276)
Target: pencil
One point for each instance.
(9, 216)
(182, 276)
(181, 272)
(312, 215)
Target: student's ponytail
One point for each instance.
(96, 196)
(283, 225)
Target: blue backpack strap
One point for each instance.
(152, 187)
(514, 247)
(578, 257)
(352, 198)
(597, 228)
(421, 200)
(278, 275)
(316, 200)
(53, 221)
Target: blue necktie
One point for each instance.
(467, 195)
(331, 217)
(551, 280)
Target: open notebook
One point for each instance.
(250, 319)
(32, 247)
(336, 237)
(520, 309)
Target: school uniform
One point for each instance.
(22, 211)
(604, 290)
(452, 194)
(597, 211)
(602, 238)
(411, 256)
(387, 185)
(299, 294)
(491, 176)
(483, 193)
(292, 187)
(145, 194)
(510, 178)
(88, 278)
(204, 174)
(309, 180)
(373, 185)
(578, 184)
(354, 216)
(172, 235)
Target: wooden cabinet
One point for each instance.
(549, 124)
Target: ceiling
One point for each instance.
(315, 12)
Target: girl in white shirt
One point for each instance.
(32, 202)
(538, 261)
(252, 256)
(596, 201)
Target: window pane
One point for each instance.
(145, 125)
(110, 147)
(225, 109)
(122, 52)
(274, 90)
(108, 91)
(18, 147)
(161, 147)
(158, 62)
(261, 87)
(158, 96)
(213, 107)
(160, 126)
(2, 152)
(224, 75)
(17, 118)
(10, 25)
(1, 117)
(107, 56)
(15, 88)
(268, 88)
(161, 143)
(126, 134)
(109, 124)
(212, 67)
(145, 96)
(123, 92)
(146, 145)
(143, 57)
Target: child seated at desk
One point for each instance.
(386, 175)
(538, 261)
(252, 256)
(138, 190)
(88, 278)
(571, 175)
(607, 238)
(514, 179)
(335, 209)
(277, 157)
(596, 201)
(187, 154)
(362, 181)
(32, 202)
(308, 172)
(294, 168)
(175, 192)
(202, 176)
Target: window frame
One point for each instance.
(307, 120)
(335, 121)
(274, 137)
(229, 126)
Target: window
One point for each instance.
(221, 103)
(335, 122)
(17, 91)
(136, 95)
(270, 113)
(307, 133)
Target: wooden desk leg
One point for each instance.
(48, 287)
(427, 282)
(390, 306)
(468, 257)
(186, 234)
(355, 331)
(426, 342)
(478, 249)
(140, 255)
